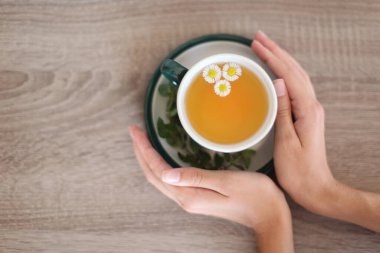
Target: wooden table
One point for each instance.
(73, 76)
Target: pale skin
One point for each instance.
(300, 153)
(215, 193)
(300, 161)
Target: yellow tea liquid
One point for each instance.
(230, 119)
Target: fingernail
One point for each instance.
(279, 86)
(171, 176)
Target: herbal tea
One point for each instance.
(226, 103)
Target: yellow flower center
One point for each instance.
(212, 73)
(222, 88)
(231, 71)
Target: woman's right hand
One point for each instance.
(300, 153)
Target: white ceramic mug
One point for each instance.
(183, 78)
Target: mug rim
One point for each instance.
(266, 81)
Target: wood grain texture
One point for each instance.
(73, 76)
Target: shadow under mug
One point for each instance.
(182, 78)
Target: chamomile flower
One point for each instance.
(231, 71)
(222, 88)
(212, 73)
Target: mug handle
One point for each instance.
(173, 71)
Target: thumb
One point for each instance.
(194, 177)
(284, 123)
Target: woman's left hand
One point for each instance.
(249, 198)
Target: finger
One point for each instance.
(285, 131)
(191, 199)
(193, 177)
(154, 161)
(285, 57)
(279, 52)
(294, 83)
(155, 181)
(200, 200)
(150, 176)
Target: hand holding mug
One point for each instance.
(249, 198)
(300, 153)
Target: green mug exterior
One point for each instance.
(173, 71)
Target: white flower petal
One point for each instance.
(237, 72)
(222, 88)
(212, 73)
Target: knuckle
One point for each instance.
(196, 177)
(284, 110)
(316, 109)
